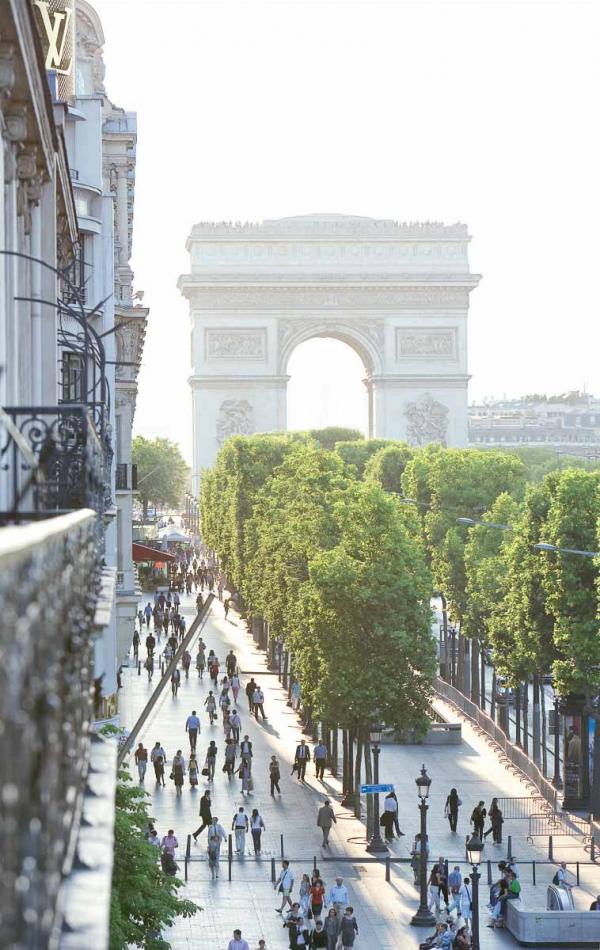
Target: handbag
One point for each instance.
(205, 771)
(250, 784)
(171, 776)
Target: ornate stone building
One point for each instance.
(397, 293)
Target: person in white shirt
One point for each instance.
(284, 884)
(561, 878)
(338, 897)
(258, 701)
(240, 826)
(237, 943)
(257, 826)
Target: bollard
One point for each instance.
(230, 854)
(578, 874)
(550, 849)
(533, 871)
(188, 849)
(387, 868)
(489, 875)
(273, 875)
(509, 847)
(466, 847)
(282, 852)
(593, 849)
(139, 667)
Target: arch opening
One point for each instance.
(328, 386)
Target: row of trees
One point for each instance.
(341, 550)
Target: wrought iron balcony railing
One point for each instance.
(49, 582)
(51, 461)
(126, 477)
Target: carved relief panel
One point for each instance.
(426, 343)
(235, 344)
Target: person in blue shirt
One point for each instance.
(192, 727)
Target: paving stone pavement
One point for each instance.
(383, 910)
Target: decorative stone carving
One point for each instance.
(235, 344)
(331, 225)
(16, 123)
(425, 343)
(90, 64)
(7, 69)
(314, 298)
(427, 421)
(236, 417)
(371, 329)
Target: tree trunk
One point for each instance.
(493, 700)
(345, 761)
(526, 717)
(357, 773)
(371, 816)
(475, 693)
(460, 661)
(482, 679)
(517, 714)
(334, 751)
(544, 732)
(465, 684)
(444, 665)
(537, 757)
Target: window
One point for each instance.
(72, 377)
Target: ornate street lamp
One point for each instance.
(376, 844)
(474, 851)
(423, 917)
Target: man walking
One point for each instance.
(158, 757)
(302, 757)
(205, 814)
(325, 819)
(246, 748)
(136, 644)
(320, 757)
(284, 884)
(251, 686)
(216, 834)
(169, 843)
(148, 613)
(478, 819)
(237, 943)
(192, 727)
(258, 700)
(240, 826)
(141, 760)
(236, 725)
(150, 644)
(230, 663)
(338, 897)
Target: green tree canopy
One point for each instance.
(356, 453)
(162, 472)
(386, 466)
(328, 436)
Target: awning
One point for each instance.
(141, 552)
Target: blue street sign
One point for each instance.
(372, 789)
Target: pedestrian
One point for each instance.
(250, 687)
(192, 727)
(141, 760)
(178, 771)
(261, 945)
(236, 725)
(465, 896)
(224, 700)
(451, 807)
(211, 707)
(182, 627)
(320, 759)
(152, 838)
(257, 826)
(561, 878)
(239, 825)
(169, 843)
(245, 774)
(258, 700)
(205, 814)
(274, 775)
(231, 663)
(200, 662)
(387, 818)
(325, 819)
(213, 669)
(338, 897)
(295, 695)
(478, 818)
(435, 888)
(454, 885)
(301, 759)
(235, 686)
(284, 885)
(332, 929)
(348, 927)
(237, 943)
(215, 835)
(186, 662)
(226, 606)
(227, 724)
(296, 925)
(318, 937)
(199, 602)
(211, 760)
(149, 665)
(595, 905)
(246, 748)
(147, 614)
(496, 819)
(136, 644)
(317, 897)
(229, 764)
(304, 895)
(158, 757)
(193, 771)
(175, 681)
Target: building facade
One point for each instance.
(397, 293)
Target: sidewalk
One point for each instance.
(383, 910)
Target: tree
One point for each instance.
(144, 900)
(386, 466)
(328, 436)
(356, 453)
(162, 472)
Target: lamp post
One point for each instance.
(423, 917)
(376, 844)
(474, 850)
(557, 780)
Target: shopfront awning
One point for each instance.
(141, 552)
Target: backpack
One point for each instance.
(555, 879)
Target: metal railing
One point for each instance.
(515, 756)
(520, 808)
(49, 582)
(65, 468)
(126, 476)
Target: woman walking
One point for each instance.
(178, 770)
(229, 765)
(257, 826)
(348, 927)
(211, 760)
(332, 929)
(193, 771)
(211, 707)
(453, 803)
(235, 686)
(246, 777)
(317, 896)
(304, 895)
(274, 775)
(200, 662)
(496, 819)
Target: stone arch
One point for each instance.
(361, 339)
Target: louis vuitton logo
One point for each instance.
(56, 25)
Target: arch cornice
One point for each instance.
(366, 339)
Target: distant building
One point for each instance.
(569, 422)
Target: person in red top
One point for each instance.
(317, 896)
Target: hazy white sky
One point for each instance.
(484, 112)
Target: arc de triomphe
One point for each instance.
(397, 293)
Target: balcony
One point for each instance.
(126, 477)
(51, 462)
